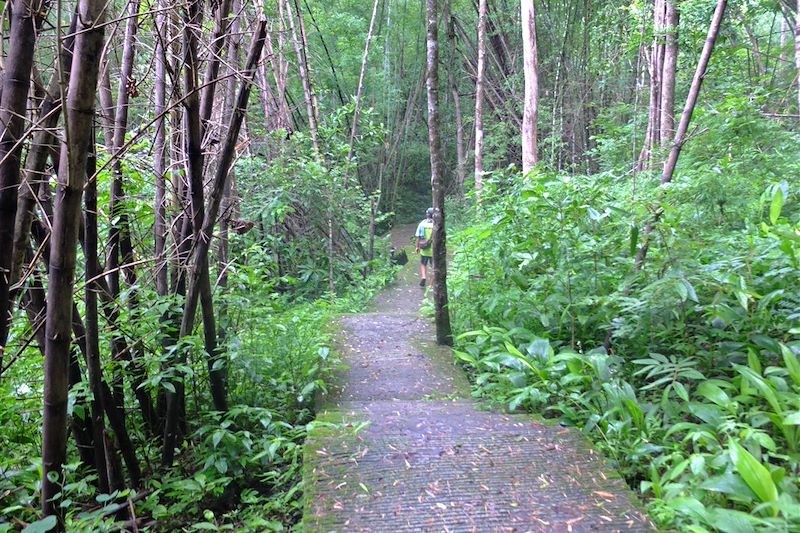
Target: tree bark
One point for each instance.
(304, 79)
(223, 21)
(36, 160)
(92, 343)
(531, 110)
(694, 92)
(683, 126)
(454, 92)
(160, 151)
(667, 121)
(444, 334)
(479, 90)
(26, 18)
(797, 50)
(191, 223)
(79, 113)
(227, 153)
(301, 26)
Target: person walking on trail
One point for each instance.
(424, 246)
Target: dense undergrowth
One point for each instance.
(685, 374)
(239, 471)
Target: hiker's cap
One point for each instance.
(429, 212)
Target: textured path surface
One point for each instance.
(399, 446)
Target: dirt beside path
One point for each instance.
(399, 445)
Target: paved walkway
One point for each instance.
(399, 446)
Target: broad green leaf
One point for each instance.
(518, 355)
(681, 391)
(473, 333)
(792, 364)
(713, 393)
(691, 293)
(776, 205)
(766, 389)
(731, 484)
(541, 348)
(753, 473)
(731, 521)
(792, 419)
(743, 298)
(40, 526)
(467, 358)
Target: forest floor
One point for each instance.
(399, 445)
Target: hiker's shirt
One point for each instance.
(425, 231)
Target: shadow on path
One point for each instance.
(398, 444)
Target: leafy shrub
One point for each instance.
(685, 374)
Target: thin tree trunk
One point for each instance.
(119, 219)
(304, 78)
(683, 126)
(192, 223)
(797, 50)
(444, 334)
(227, 153)
(160, 152)
(531, 111)
(694, 92)
(306, 61)
(479, 90)
(360, 87)
(459, 119)
(92, 343)
(223, 21)
(36, 160)
(79, 113)
(107, 106)
(653, 137)
(327, 53)
(26, 18)
(668, 75)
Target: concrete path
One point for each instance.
(399, 446)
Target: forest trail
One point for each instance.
(400, 446)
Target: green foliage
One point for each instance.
(685, 374)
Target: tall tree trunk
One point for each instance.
(444, 333)
(694, 92)
(119, 219)
(192, 223)
(304, 78)
(668, 75)
(655, 64)
(36, 160)
(227, 153)
(531, 111)
(223, 21)
(26, 18)
(683, 126)
(453, 85)
(92, 342)
(160, 151)
(797, 50)
(79, 113)
(360, 87)
(306, 61)
(479, 90)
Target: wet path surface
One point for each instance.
(399, 446)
